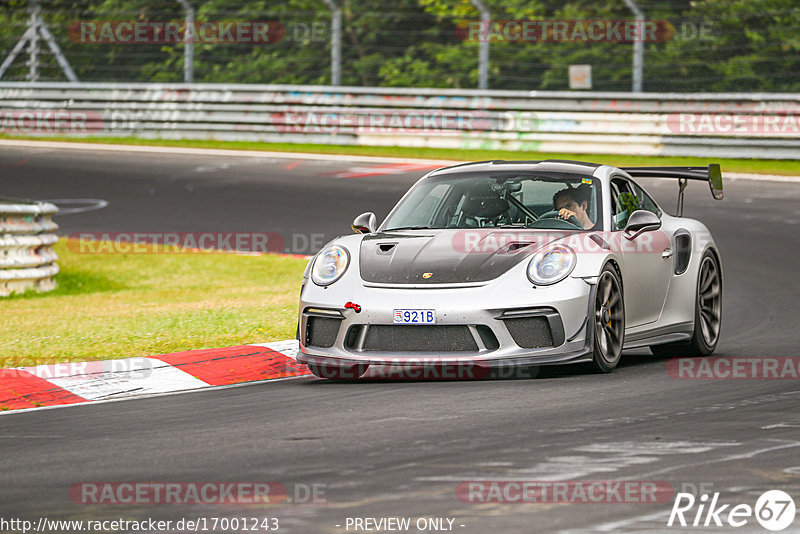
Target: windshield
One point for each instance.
(472, 200)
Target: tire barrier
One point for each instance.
(27, 236)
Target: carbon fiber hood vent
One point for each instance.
(446, 256)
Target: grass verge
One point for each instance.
(110, 306)
(759, 166)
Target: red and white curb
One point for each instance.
(75, 383)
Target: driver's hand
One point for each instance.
(564, 213)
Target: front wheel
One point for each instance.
(707, 314)
(609, 321)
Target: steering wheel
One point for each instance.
(572, 221)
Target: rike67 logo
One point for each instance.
(774, 510)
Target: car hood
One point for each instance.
(447, 256)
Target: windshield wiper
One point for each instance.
(410, 228)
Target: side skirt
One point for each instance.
(657, 336)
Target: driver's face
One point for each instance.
(568, 208)
(571, 205)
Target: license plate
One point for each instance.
(414, 316)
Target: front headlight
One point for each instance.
(551, 265)
(330, 265)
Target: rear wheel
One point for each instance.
(707, 314)
(609, 321)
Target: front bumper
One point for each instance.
(564, 306)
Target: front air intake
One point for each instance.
(420, 338)
(321, 331)
(530, 332)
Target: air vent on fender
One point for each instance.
(385, 248)
(513, 247)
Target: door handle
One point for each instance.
(668, 252)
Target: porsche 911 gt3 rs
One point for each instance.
(511, 263)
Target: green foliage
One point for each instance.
(627, 203)
(717, 45)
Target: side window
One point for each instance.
(623, 203)
(645, 202)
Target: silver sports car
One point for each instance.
(512, 264)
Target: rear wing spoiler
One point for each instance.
(711, 174)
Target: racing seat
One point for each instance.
(484, 206)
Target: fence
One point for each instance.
(702, 124)
(632, 45)
(27, 235)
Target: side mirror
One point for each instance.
(715, 181)
(366, 223)
(641, 221)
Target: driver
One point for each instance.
(574, 202)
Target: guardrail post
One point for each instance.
(483, 45)
(35, 27)
(336, 42)
(33, 43)
(638, 47)
(27, 236)
(188, 42)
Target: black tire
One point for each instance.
(707, 314)
(608, 321)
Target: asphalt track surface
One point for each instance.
(400, 449)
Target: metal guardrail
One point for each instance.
(706, 125)
(27, 236)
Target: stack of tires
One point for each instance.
(27, 236)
